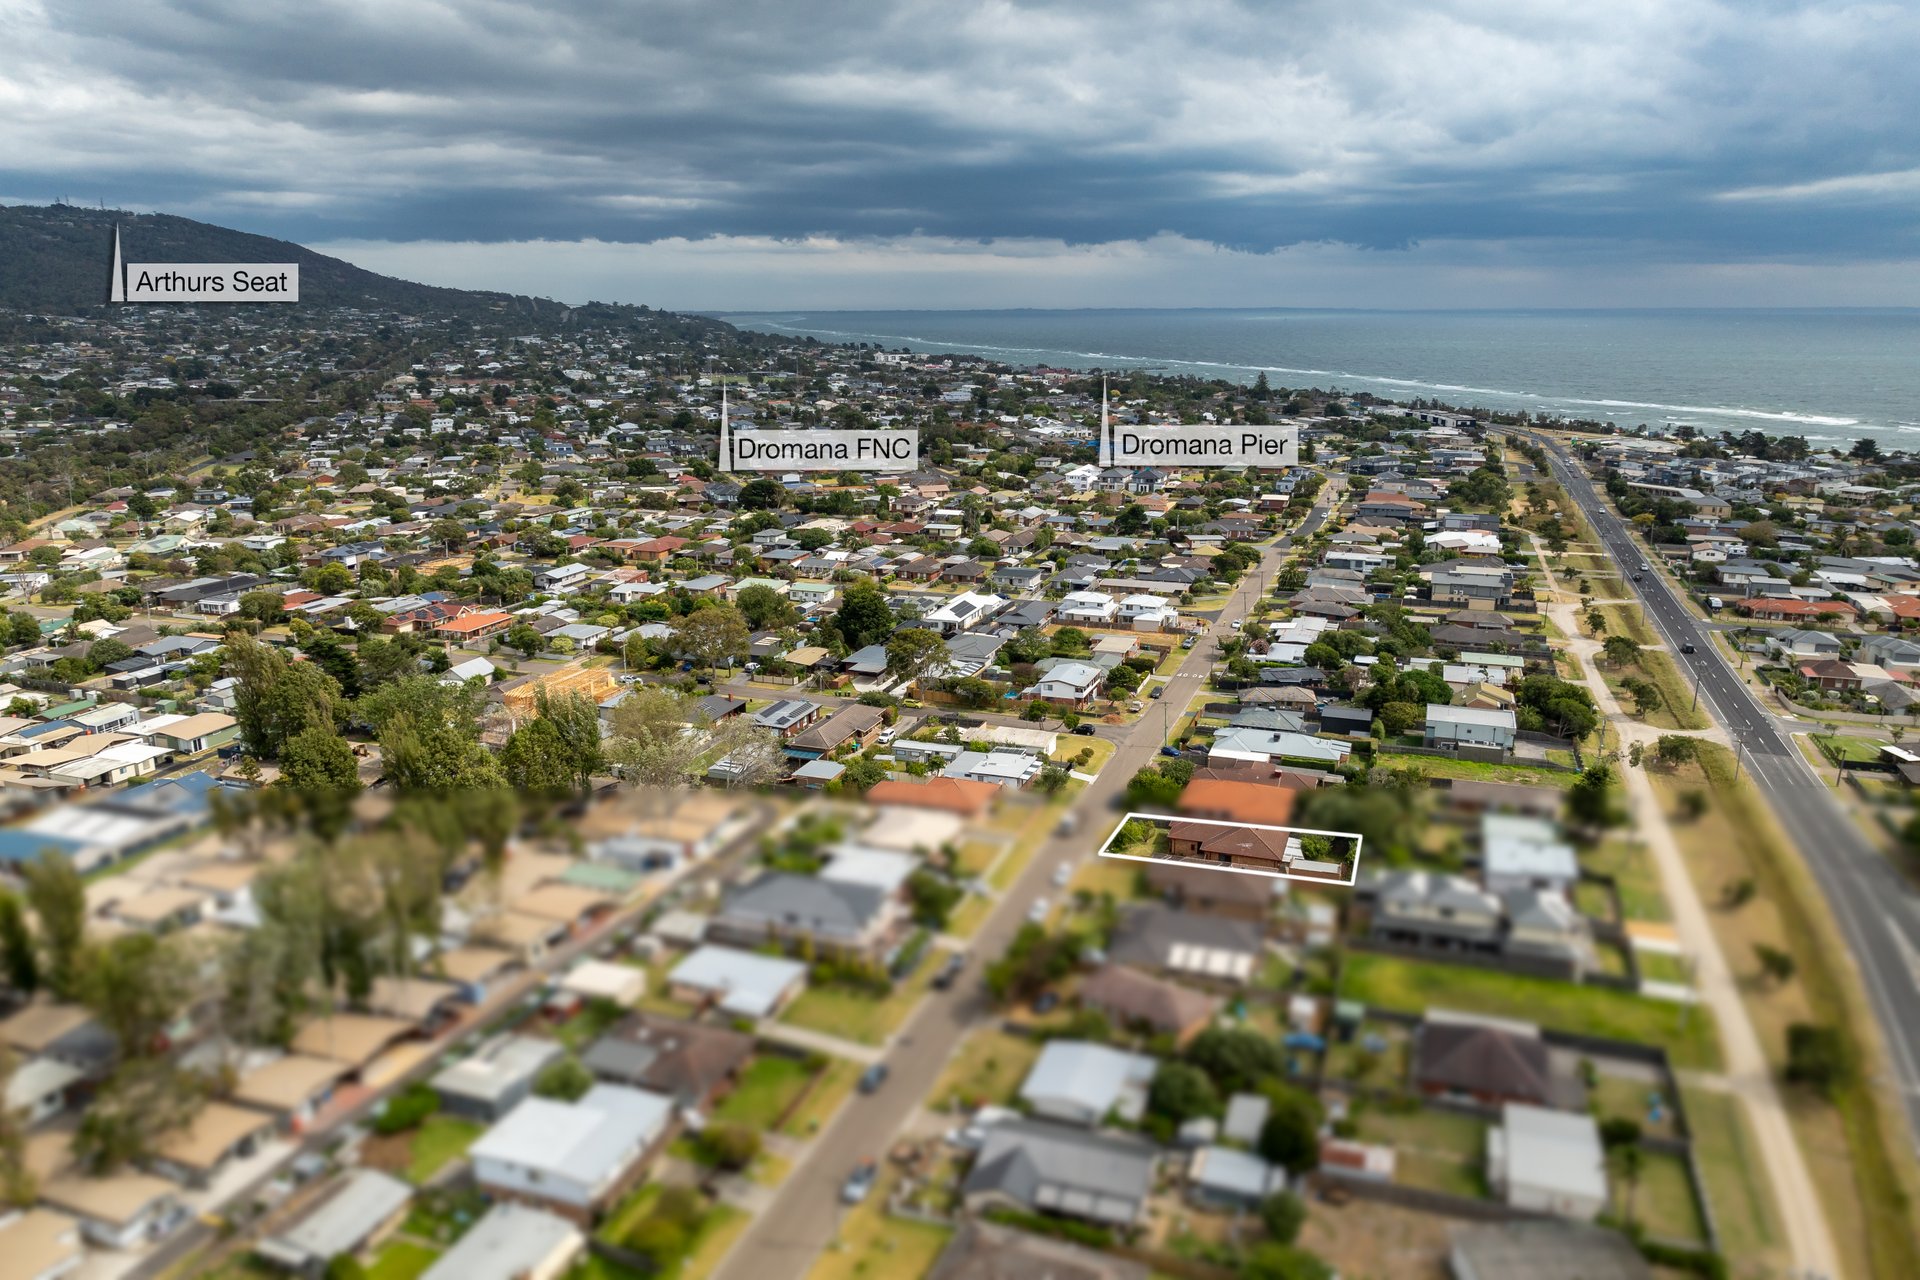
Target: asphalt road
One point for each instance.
(1877, 910)
(784, 1239)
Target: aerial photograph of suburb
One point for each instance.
(970, 640)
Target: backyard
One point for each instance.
(1437, 1150)
(1415, 986)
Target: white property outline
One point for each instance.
(1106, 848)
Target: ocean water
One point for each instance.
(1829, 375)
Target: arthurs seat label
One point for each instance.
(202, 281)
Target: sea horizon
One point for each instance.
(1830, 374)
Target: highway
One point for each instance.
(1877, 911)
(789, 1234)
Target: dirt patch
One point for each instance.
(388, 1152)
(1370, 1240)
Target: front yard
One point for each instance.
(987, 1070)
(858, 1015)
(765, 1090)
(872, 1245)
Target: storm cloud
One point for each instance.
(1636, 133)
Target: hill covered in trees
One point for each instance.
(56, 259)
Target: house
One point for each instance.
(1456, 727)
(1080, 1082)
(39, 1089)
(1071, 685)
(1794, 642)
(1013, 769)
(1832, 675)
(981, 1250)
(292, 1088)
(1492, 1063)
(1130, 998)
(692, 1063)
(497, 1077)
(39, 1244)
(1232, 1180)
(743, 983)
(512, 1241)
(354, 1213)
(1431, 910)
(1519, 852)
(192, 735)
(1231, 845)
(964, 797)
(1543, 1250)
(968, 609)
(1158, 938)
(471, 628)
(1547, 1161)
(1203, 892)
(853, 724)
(1036, 1167)
(832, 915)
(1087, 608)
(573, 1158)
(1794, 609)
(786, 716)
(1226, 800)
(196, 1153)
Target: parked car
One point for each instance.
(1069, 823)
(972, 1135)
(1046, 1002)
(945, 975)
(1188, 642)
(1136, 705)
(1084, 730)
(1062, 874)
(873, 1077)
(1172, 753)
(859, 1182)
(886, 737)
(1157, 691)
(1038, 911)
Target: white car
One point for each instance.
(1038, 911)
(972, 1135)
(1062, 874)
(886, 737)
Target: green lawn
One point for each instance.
(1664, 1202)
(708, 1242)
(1437, 1150)
(1632, 869)
(1736, 1182)
(401, 1260)
(766, 1088)
(873, 1245)
(1477, 770)
(440, 1139)
(856, 1015)
(1839, 748)
(823, 1100)
(1414, 987)
(1628, 1100)
(988, 1069)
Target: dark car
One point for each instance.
(1046, 1002)
(1084, 730)
(1157, 691)
(1688, 648)
(873, 1077)
(1170, 752)
(949, 971)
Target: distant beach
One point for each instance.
(1829, 375)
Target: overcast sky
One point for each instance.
(822, 154)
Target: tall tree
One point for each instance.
(58, 897)
(913, 652)
(712, 636)
(864, 616)
(276, 699)
(18, 963)
(136, 985)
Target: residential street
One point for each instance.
(783, 1241)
